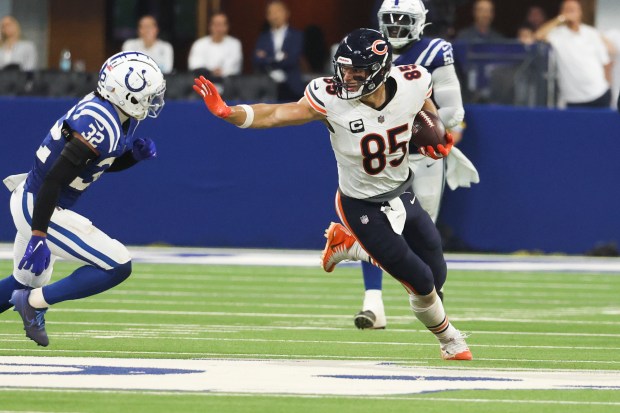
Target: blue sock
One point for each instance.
(84, 282)
(372, 276)
(6, 290)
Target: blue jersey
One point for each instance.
(429, 53)
(97, 121)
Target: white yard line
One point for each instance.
(301, 258)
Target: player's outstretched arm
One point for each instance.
(260, 115)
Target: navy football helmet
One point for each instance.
(366, 50)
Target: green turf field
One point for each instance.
(517, 321)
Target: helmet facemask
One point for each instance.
(374, 75)
(403, 23)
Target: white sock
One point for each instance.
(36, 298)
(373, 301)
(357, 253)
(429, 310)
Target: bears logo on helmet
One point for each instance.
(362, 49)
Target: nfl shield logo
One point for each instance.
(364, 219)
(381, 119)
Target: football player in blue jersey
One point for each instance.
(96, 135)
(402, 22)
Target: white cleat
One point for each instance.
(455, 348)
(367, 319)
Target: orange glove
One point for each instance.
(212, 98)
(442, 151)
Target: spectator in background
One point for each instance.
(218, 53)
(278, 52)
(535, 17)
(584, 66)
(613, 39)
(13, 50)
(525, 35)
(148, 43)
(481, 30)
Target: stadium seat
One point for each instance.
(53, 83)
(179, 86)
(252, 88)
(14, 81)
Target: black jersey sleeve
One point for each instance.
(123, 162)
(74, 157)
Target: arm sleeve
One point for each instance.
(123, 162)
(447, 95)
(72, 160)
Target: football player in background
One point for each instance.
(402, 22)
(368, 108)
(94, 136)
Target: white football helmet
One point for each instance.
(134, 83)
(402, 21)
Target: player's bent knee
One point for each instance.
(120, 273)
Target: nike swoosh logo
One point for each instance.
(429, 165)
(412, 201)
(99, 125)
(37, 246)
(316, 87)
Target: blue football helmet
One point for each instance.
(365, 49)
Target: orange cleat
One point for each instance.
(339, 242)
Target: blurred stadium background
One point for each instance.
(548, 185)
(546, 174)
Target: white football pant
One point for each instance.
(70, 236)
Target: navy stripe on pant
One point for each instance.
(415, 258)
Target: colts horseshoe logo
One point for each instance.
(141, 76)
(377, 49)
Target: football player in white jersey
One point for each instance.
(368, 108)
(94, 136)
(402, 22)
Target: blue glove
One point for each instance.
(143, 149)
(37, 256)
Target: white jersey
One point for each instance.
(371, 145)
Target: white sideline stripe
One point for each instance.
(101, 334)
(316, 316)
(195, 328)
(288, 356)
(490, 262)
(308, 396)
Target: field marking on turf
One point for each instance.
(403, 319)
(322, 377)
(218, 328)
(421, 398)
(419, 360)
(466, 262)
(183, 336)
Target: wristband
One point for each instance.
(249, 116)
